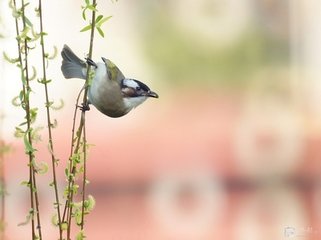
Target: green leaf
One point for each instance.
(11, 4)
(37, 11)
(84, 13)
(42, 167)
(91, 7)
(88, 27)
(90, 203)
(35, 35)
(54, 54)
(99, 18)
(105, 19)
(64, 226)
(23, 123)
(24, 33)
(16, 101)
(67, 172)
(28, 145)
(16, 14)
(48, 104)
(33, 114)
(101, 33)
(8, 59)
(54, 220)
(23, 79)
(26, 4)
(36, 136)
(28, 22)
(43, 81)
(28, 218)
(75, 188)
(25, 183)
(19, 133)
(80, 236)
(34, 74)
(78, 217)
(58, 106)
(21, 96)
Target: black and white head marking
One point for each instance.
(133, 88)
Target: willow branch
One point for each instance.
(24, 94)
(49, 124)
(81, 127)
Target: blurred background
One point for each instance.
(230, 150)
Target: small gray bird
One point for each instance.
(110, 92)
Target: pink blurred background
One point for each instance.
(230, 150)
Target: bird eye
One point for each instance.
(138, 88)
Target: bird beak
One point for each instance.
(151, 94)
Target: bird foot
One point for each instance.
(91, 62)
(84, 107)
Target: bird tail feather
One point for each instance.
(72, 66)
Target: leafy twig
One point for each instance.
(25, 93)
(81, 135)
(49, 123)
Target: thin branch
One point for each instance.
(71, 151)
(81, 124)
(85, 103)
(24, 94)
(33, 185)
(84, 179)
(25, 91)
(49, 125)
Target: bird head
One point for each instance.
(135, 92)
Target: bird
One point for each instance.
(110, 92)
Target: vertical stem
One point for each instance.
(80, 130)
(24, 94)
(33, 185)
(33, 231)
(71, 152)
(84, 176)
(34, 201)
(49, 125)
(85, 102)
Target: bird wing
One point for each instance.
(114, 74)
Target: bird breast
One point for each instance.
(105, 94)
